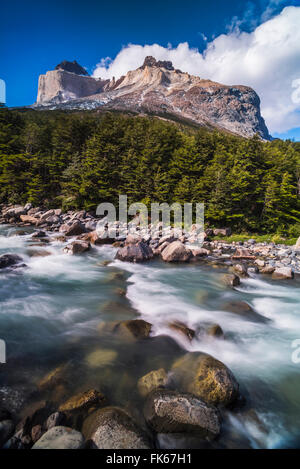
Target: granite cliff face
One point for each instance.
(157, 88)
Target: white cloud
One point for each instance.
(268, 59)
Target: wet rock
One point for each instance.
(281, 273)
(153, 380)
(244, 310)
(6, 431)
(230, 280)
(260, 262)
(83, 400)
(240, 269)
(39, 234)
(130, 329)
(183, 329)
(176, 252)
(9, 260)
(36, 433)
(169, 411)
(76, 247)
(215, 331)
(60, 438)
(205, 377)
(139, 252)
(113, 428)
(54, 420)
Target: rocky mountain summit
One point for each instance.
(156, 88)
(72, 67)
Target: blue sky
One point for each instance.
(35, 36)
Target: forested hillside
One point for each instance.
(78, 160)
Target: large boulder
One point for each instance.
(60, 438)
(169, 411)
(9, 260)
(282, 273)
(245, 311)
(153, 380)
(176, 252)
(205, 377)
(113, 428)
(138, 252)
(222, 232)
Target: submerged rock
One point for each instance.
(60, 438)
(113, 428)
(205, 377)
(173, 412)
(55, 377)
(244, 310)
(176, 252)
(153, 380)
(101, 357)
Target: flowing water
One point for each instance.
(50, 313)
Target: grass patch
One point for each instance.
(268, 238)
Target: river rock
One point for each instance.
(205, 377)
(113, 428)
(6, 431)
(76, 247)
(153, 380)
(29, 219)
(75, 229)
(183, 329)
(8, 260)
(135, 252)
(54, 420)
(222, 232)
(268, 269)
(230, 280)
(245, 311)
(281, 273)
(60, 438)
(83, 400)
(169, 411)
(176, 252)
(130, 329)
(215, 331)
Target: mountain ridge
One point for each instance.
(158, 88)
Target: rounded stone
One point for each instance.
(60, 438)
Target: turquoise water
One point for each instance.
(50, 312)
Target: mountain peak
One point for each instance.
(152, 62)
(72, 67)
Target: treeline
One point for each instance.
(79, 159)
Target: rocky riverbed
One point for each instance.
(109, 336)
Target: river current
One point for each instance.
(51, 309)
